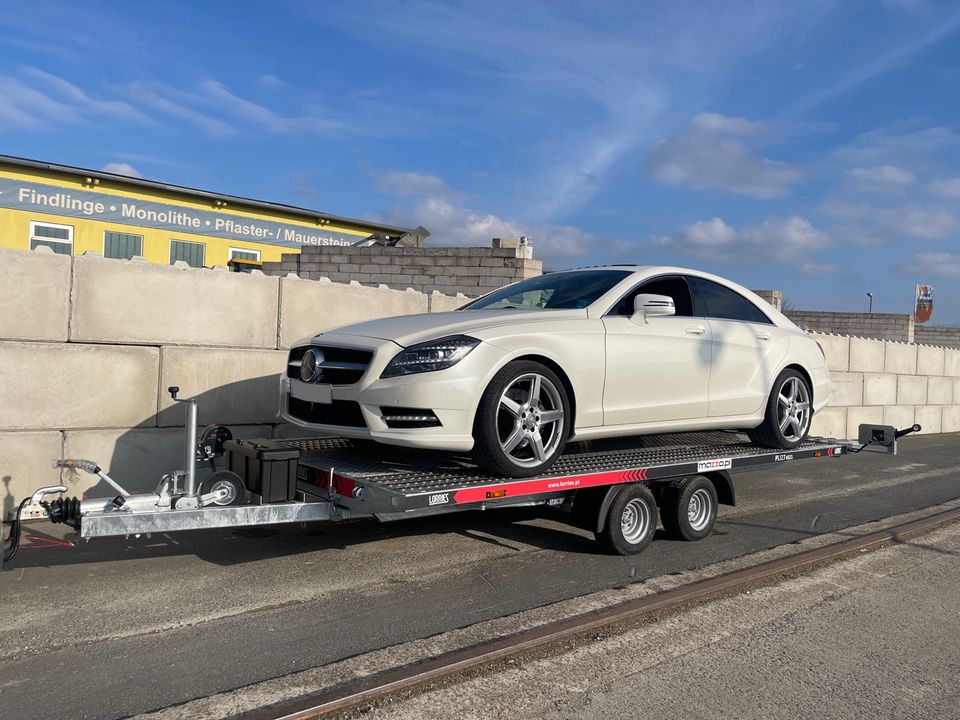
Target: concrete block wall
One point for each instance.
(933, 335)
(471, 271)
(881, 326)
(88, 347)
(891, 383)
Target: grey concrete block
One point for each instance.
(34, 295)
(901, 358)
(940, 391)
(135, 303)
(61, 385)
(911, 390)
(866, 355)
(930, 418)
(950, 419)
(26, 463)
(231, 385)
(900, 416)
(846, 388)
(869, 414)
(309, 307)
(879, 389)
(837, 350)
(930, 360)
(830, 422)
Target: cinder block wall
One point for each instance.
(471, 271)
(882, 326)
(932, 335)
(88, 347)
(889, 383)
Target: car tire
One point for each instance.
(788, 413)
(508, 424)
(688, 508)
(631, 521)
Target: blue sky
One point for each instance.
(810, 146)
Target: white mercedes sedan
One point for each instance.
(573, 355)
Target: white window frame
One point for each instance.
(191, 242)
(39, 238)
(243, 250)
(121, 232)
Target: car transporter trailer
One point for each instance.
(613, 488)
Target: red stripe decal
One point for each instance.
(530, 487)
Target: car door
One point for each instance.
(657, 369)
(747, 349)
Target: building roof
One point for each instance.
(234, 200)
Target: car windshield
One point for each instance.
(554, 291)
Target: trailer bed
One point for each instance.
(392, 480)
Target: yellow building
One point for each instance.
(72, 211)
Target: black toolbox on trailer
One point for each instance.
(268, 467)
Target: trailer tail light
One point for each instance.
(343, 486)
(491, 494)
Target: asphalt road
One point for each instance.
(117, 627)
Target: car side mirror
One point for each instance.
(648, 305)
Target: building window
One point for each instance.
(190, 252)
(251, 255)
(58, 238)
(122, 246)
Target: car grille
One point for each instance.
(341, 366)
(345, 413)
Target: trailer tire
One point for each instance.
(226, 480)
(688, 508)
(631, 521)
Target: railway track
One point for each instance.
(406, 678)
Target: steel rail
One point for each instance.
(376, 687)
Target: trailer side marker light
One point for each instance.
(496, 494)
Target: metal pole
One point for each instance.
(190, 452)
(870, 295)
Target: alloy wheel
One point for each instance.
(793, 409)
(530, 420)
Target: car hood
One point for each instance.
(410, 329)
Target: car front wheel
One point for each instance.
(523, 420)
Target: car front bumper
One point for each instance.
(452, 394)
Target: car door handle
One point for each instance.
(695, 330)
(763, 335)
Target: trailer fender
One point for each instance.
(722, 482)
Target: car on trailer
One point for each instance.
(583, 354)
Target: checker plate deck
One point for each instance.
(415, 472)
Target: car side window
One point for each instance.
(714, 300)
(673, 287)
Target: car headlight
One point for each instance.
(429, 356)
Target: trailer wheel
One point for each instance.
(689, 508)
(631, 521)
(230, 483)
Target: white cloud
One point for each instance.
(271, 82)
(122, 168)
(880, 179)
(946, 187)
(927, 223)
(932, 265)
(784, 240)
(399, 182)
(713, 152)
(452, 224)
(38, 99)
(175, 104)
